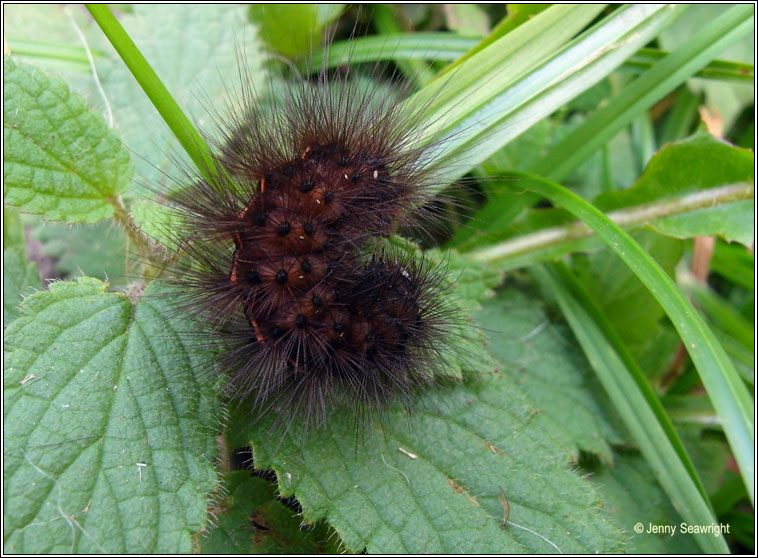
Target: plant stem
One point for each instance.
(625, 218)
(190, 139)
(726, 389)
(152, 254)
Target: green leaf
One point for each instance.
(251, 520)
(294, 29)
(673, 196)
(722, 382)
(735, 263)
(681, 120)
(391, 20)
(60, 159)
(541, 356)
(622, 298)
(433, 485)
(473, 282)
(155, 220)
(725, 99)
(735, 333)
(44, 36)
(635, 401)
(634, 496)
(717, 69)
(685, 168)
(691, 409)
(445, 46)
(526, 75)
(635, 98)
(20, 278)
(392, 46)
(109, 435)
(198, 74)
(187, 135)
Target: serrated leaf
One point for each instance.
(687, 167)
(20, 278)
(633, 496)
(50, 28)
(251, 520)
(431, 483)
(543, 357)
(109, 436)
(60, 159)
(473, 282)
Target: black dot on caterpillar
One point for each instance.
(283, 251)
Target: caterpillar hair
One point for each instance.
(280, 251)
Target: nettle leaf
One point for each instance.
(60, 160)
(109, 437)
(473, 281)
(251, 520)
(431, 482)
(20, 278)
(548, 365)
(694, 165)
(633, 496)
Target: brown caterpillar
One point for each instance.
(281, 252)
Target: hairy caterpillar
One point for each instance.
(281, 251)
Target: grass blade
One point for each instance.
(636, 97)
(443, 46)
(724, 70)
(635, 401)
(493, 97)
(725, 388)
(553, 242)
(169, 109)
